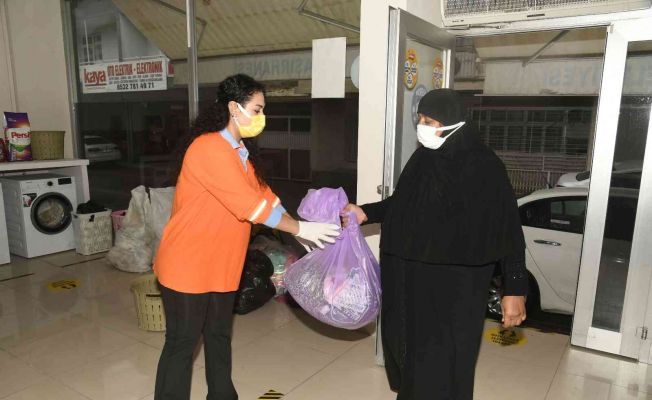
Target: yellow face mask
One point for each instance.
(254, 128)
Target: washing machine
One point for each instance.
(38, 211)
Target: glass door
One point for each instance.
(420, 58)
(616, 265)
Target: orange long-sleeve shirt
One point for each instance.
(216, 200)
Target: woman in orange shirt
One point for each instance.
(220, 192)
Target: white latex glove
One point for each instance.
(317, 232)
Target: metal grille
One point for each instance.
(542, 162)
(525, 182)
(485, 7)
(547, 130)
(537, 145)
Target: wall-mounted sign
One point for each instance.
(130, 76)
(282, 66)
(411, 69)
(438, 74)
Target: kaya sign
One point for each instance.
(130, 76)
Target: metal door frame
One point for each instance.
(628, 342)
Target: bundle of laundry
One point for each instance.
(282, 256)
(339, 285)
(142, 227)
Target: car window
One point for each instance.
(582, 176)
(566, 214)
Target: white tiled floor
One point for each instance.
(85, 344)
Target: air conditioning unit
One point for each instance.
(485, 12)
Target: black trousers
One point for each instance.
(432, 324)
(188, 316)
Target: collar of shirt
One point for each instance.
(242, 150)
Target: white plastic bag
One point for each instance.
(133, 251)
(161, 203)
(137, 242)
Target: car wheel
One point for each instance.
(494, 302)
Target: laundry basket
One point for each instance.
(149, 305)
(47, 145)
(93, 232)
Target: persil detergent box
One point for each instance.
(18, 136)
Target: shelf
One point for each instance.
(36, 165)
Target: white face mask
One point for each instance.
(427, 135)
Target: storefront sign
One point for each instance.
(290, 65)
(132, 76)
(273, 66)
(563, 77)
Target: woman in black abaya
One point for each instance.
(452, 219)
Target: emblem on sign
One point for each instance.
(438, 74)
(418, 95)
(411, 69)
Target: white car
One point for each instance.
(553, 225)
(98, 149)
(626, 171)
(574, 179)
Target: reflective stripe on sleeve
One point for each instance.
(259, 210)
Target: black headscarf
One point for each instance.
(443, 105)
(453, 205)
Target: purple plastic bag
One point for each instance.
(339, 285)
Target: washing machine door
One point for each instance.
(51, 213)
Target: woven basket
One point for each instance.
(47, 145)
(93, 232)
(149, 305)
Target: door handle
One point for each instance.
(547, 242)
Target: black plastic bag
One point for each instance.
(256, 287)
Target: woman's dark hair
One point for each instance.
(239, 88)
